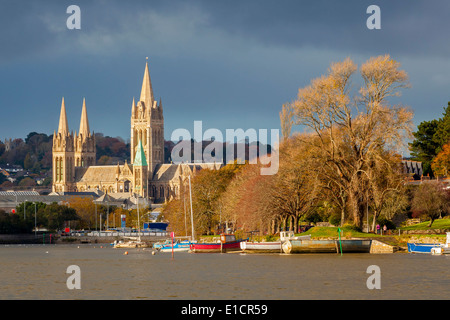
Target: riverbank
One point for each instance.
(51, 238)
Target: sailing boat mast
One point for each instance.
(139, 221)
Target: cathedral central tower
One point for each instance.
(147, 125)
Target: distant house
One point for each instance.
(11, 168)
(413, 168)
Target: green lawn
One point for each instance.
(332, 232)
(437, 224)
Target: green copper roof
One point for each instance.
(139, 159)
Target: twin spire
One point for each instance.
(63, 124)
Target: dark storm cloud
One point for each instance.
(408, 27)
(226, 58)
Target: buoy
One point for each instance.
(153, 252)
(126, 252)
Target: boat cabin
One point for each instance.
(227, 238)
(286, 235)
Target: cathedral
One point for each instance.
(147, 176)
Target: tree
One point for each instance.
(441, 163)
(442, 134)
(56, 216)
(85, 209)
(351, 130)
(286, 120)
(207, 187)
(424, 147)
(431, 200)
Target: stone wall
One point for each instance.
(381, 247)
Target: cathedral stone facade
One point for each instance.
(74, 156)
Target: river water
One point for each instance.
(39, 272)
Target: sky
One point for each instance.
(230, 64)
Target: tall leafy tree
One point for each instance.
(353, 129)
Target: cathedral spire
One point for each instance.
(139, 159)
(147, 91)
(84, 123)
(63, 126)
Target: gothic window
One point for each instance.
(161, 192)
(60, 169)
(56, 169)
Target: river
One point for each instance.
(39, 272)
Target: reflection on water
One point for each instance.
(39, 272)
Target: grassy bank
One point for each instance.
(332, 232)
(437, 224)
(350, 232)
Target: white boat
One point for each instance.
(271, 246)
(261, 247)
(131, 244)
(289, 235)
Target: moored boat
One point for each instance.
(355, 245)
(422, 247)
(159, 245)
(309, 246)
(271, 246)
(131, 244)
(227, 243)
(327, 246)
(177, 246)
(261, 247)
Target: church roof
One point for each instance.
(165, 172)
(139, 159)
(168, 171)
(96, 174)
(106, 198)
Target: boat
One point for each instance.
(433, 248)
(327, 246)
(422, 247)
(309, 246)
(227, 243)
(354, 245)
(289, 235)
(177, 246)
(159, 245)
(261, 247)
(131, 244)
(271, 246)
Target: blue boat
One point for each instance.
(177, 246)
(159, 245)
(422, 247)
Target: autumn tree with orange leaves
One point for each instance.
(441, 163)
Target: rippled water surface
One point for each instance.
(39, 272)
